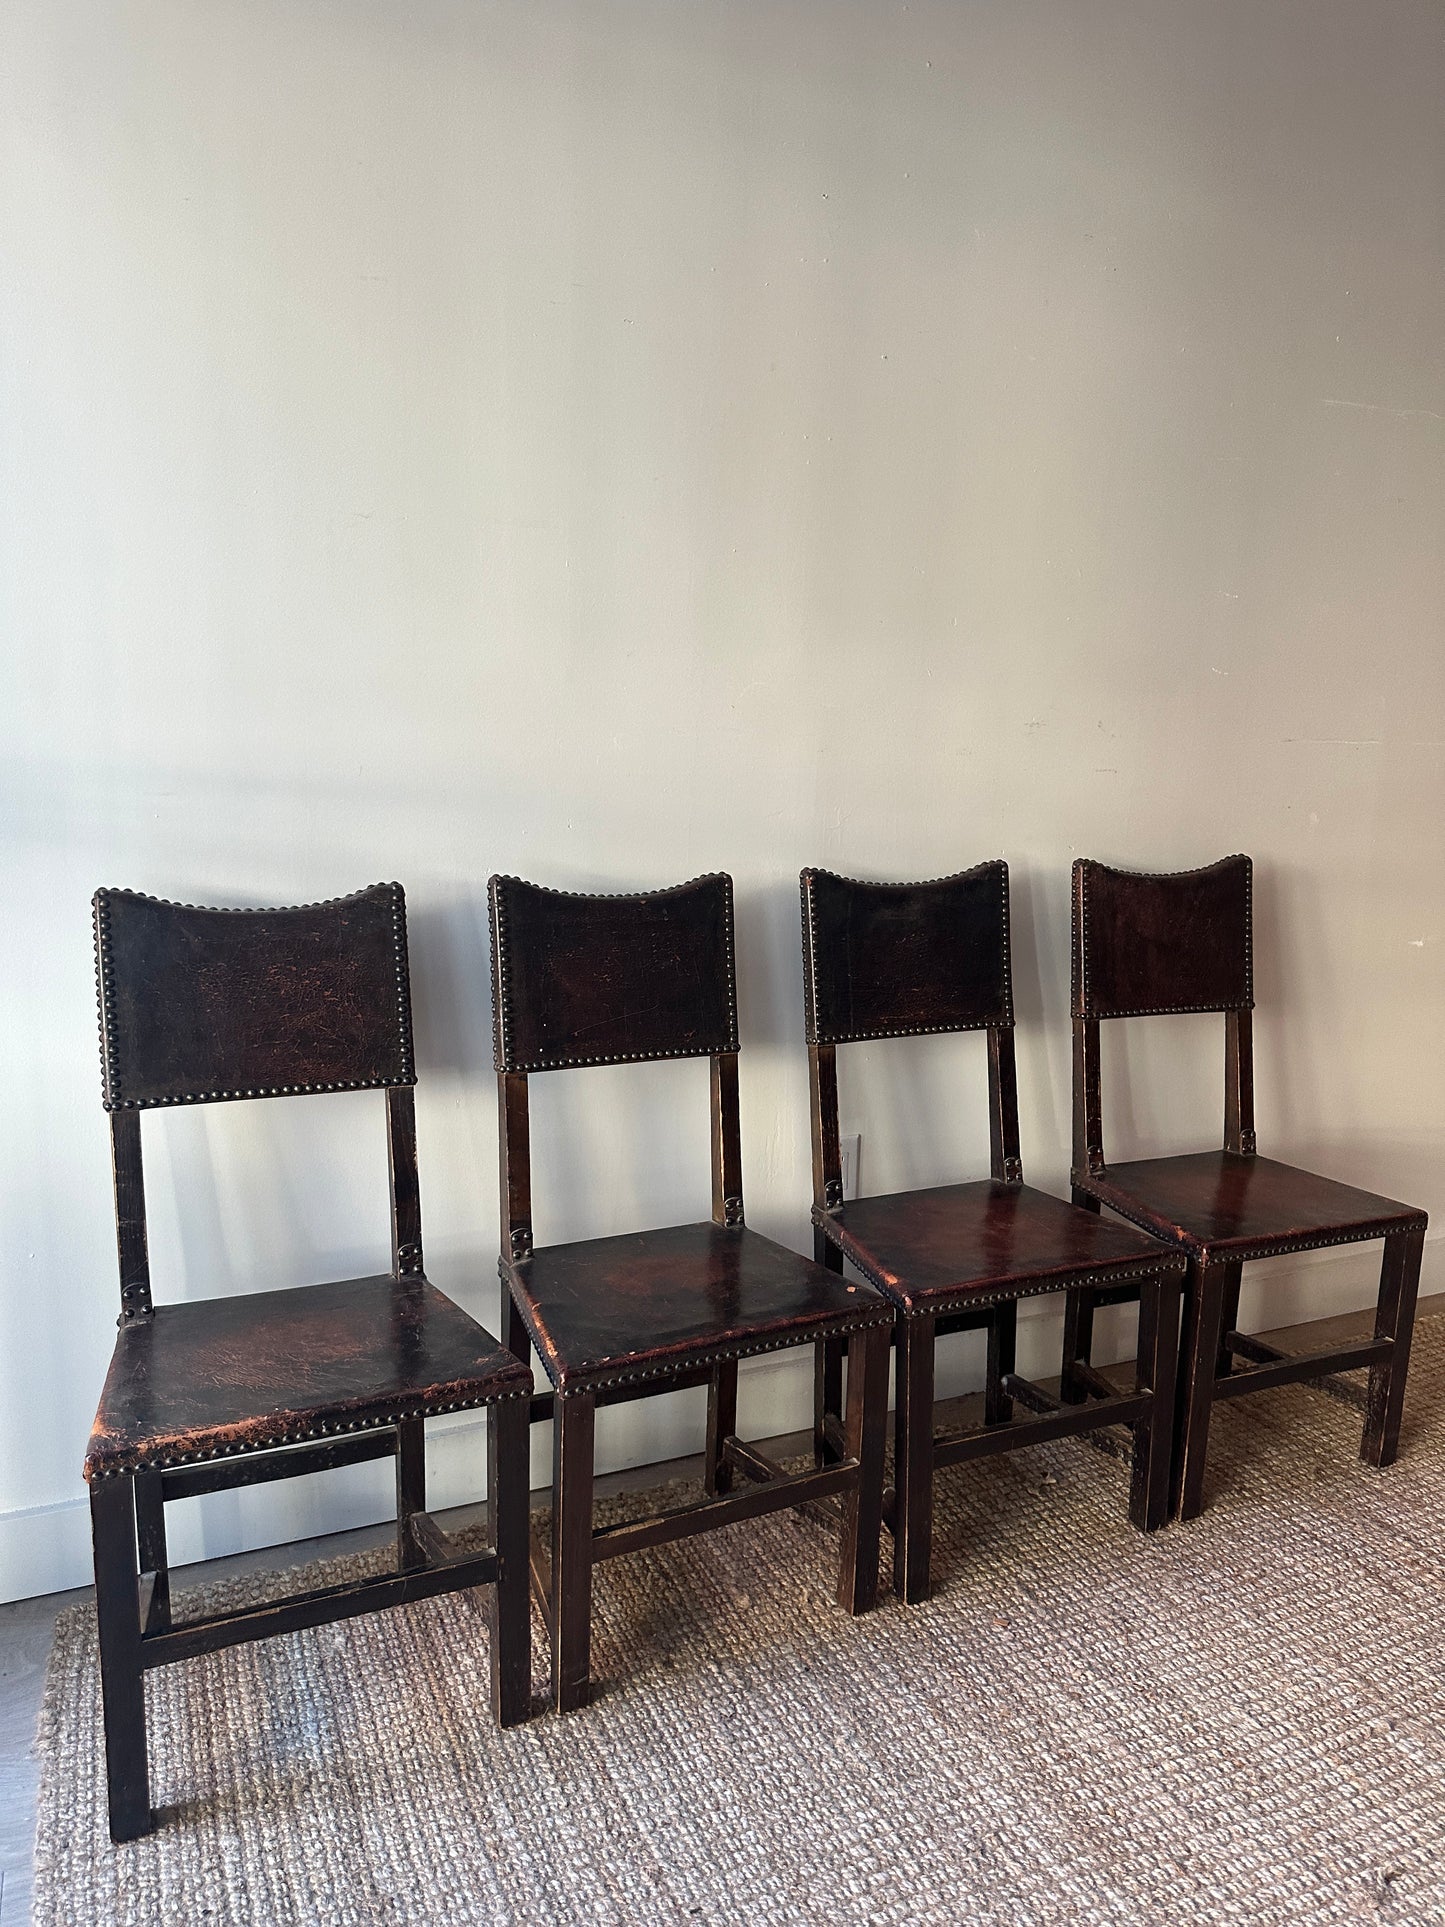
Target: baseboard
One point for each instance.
(44, 1548)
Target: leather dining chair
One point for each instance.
(887, 960)
(202, 1006)
(1150, 944)
(581, 981)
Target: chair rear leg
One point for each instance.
(913, 1460)
(1395, 1320)
(572, 1436)
(1229, 1318)
(508, 1497)
(1156, 1373)
(998, 1407)
(1078, 1344)
(122, 1681)
(867, 1426)
(722, 1424)
(150, 1515)
(1198, 1357)
(519, 1339)
(410, 1491)
(827, 1363)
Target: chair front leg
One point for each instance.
(1204, 1288)
(509, 1435)
(150, 1515)
(867, 1426)
(1156, 1373)
(827, 1363)
(1395, 1320)
(122, 1680)
(573, 1427)
(913, 1460)
(722, 1424)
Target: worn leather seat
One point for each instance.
(217, 1376)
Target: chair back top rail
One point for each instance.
(580, 981)
(904, 960)
(1150, 945)
(202, 1006)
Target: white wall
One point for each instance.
(609, 442)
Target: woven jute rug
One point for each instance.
(1242, 1719)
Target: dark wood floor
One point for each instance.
(27, 1625)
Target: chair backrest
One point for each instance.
(900, 960)
(204, 1006)
(581, 980)
(1147, 945)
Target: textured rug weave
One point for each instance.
(1239, 1720)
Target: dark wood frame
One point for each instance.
(1210, 1346)
(562, 1572)
(137, 1630)
(1088, 1405)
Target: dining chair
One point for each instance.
(202, 1006)
(1146, 945)
(589, 980)
(888, 960)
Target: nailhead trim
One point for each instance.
(810, 957)
(645, 1374)
(501, 982)
(335, 1429)
(105, 1002)
(1080, 959)
(1169, 1260)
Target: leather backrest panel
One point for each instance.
(1145, 945)
(609, 980)
(198, 1005)
(897, 959)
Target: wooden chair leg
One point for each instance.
(519, 1339)
(508, 1498)
(410, 1491)
(722, 1424)
(827, 1396)
(867, 1425)
(1198, 1355)
(1395, 1320)
(572, 1435)
(1078, 1322)
(122, 1681)
(827, 1364)
(1078, 1344)
(150, 1515)
(998, 1407)
(913, 1461)
(1229, 1318)
(1156, 1372)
